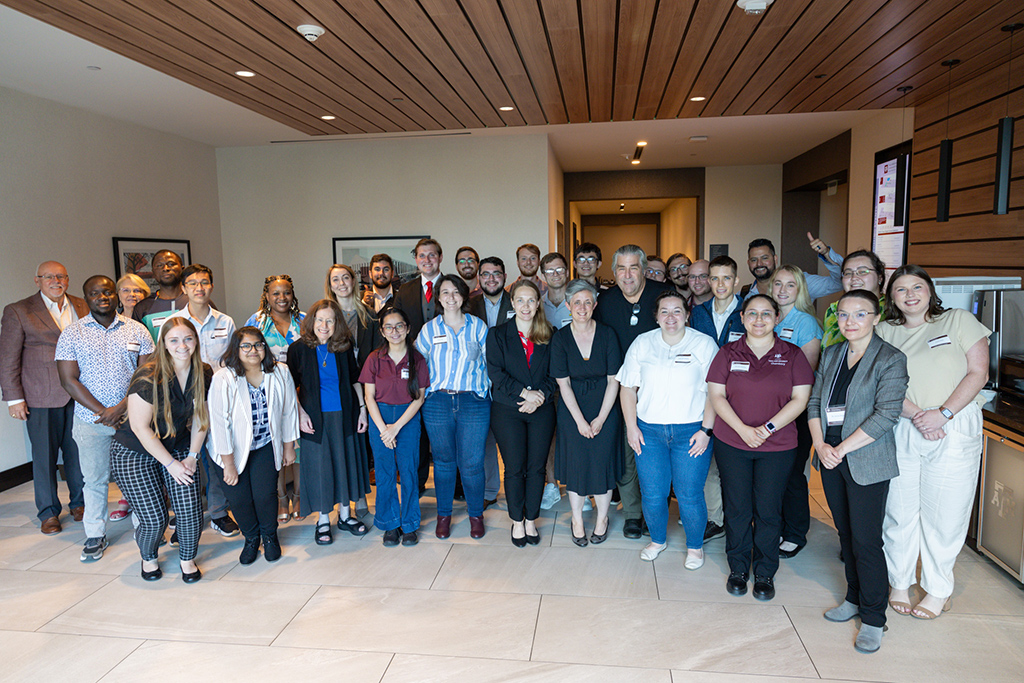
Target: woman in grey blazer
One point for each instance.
(855, 403)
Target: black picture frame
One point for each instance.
(135, 255)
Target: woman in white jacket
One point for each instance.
(254, 424)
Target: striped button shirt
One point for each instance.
(456, 360)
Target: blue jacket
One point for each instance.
(702, 319)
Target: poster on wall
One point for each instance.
(891, 208)
(135, 255)
(356, 253)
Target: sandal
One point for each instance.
(353, 526)
(283, 515)
(296, 515)
(324, 535)
(924, 613)
(122, 510)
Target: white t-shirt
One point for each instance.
(672, 380)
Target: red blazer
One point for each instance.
(28, 343)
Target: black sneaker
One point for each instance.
(174, 539)
(764, 587)
(225, 526)
(713, 530)
(391, 537)
(93, 549)
(271, 548)
(411, 538)
(171, 521)
(250, 551)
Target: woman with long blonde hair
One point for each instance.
(342, 287)
(158, 446)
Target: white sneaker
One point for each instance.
(587, 506)
(694, 559)
(651, 552)
(552, 495)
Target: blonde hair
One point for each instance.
(135, 280)
(803, 299)
(365, 319)
(159, 372)
(540, 329)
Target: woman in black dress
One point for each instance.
(585, 356)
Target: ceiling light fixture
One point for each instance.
(622, 207)
(635, 162)
(245, 74)
(327, 117)
(945, 154)
(310, 32)
(698, 98)
(698, 138)
(642, 143)
(1004, 138)
(754, 6)
(506, 108)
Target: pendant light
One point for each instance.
(1004, 139)
(945, 155)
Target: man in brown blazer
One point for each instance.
(28, 378)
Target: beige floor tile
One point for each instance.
(208, 611)
(555, 571)
(953, 648)
(17, 512)
(496, 523)
(55, 658)
(740, 638)
(983, 588)
(217, 662)
(347, 562)
(415, 622)
(422, 669)
(24, 547)
(679, 676)
(675, 536)
(30, 599)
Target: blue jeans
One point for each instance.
(457, 425)
(666, 461)
(404, 458)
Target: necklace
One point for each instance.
(323, 361)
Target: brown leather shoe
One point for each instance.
(444, 526)
(476, 527)
(50, 526)
(78, 513)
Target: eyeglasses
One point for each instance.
(469, 259)
(652, 271)
(586, 259)
(754, 315)
(398, 327)
(50, 278)
(192, 284)
(634, 319)
(249, 346)
(859, 316)
(679, 269)
(860, 272)
(492, 275)
(702, 276)
(555, 271)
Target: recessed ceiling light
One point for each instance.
(698, 138)
(820, 75)
(635, 162)
(622, 207)
(245, 74)
(93, 68)
(506, 108)
(642, 143)
(698, 98)
(327, 117)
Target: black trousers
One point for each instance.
(858, 512)
(49, 431)
(752, 486)
(796, 510)
(524, 440)
(254, 497)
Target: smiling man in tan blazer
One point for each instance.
(28, 378)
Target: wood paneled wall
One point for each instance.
(974, 240)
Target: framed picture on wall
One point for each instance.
(135, 255)
(356, 253)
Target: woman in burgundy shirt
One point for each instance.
(758, 386)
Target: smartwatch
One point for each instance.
(707, 430)
(770, 427)
(946, 412)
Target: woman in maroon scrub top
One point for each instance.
(758, 385)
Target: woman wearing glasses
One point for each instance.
(861, 270)
(758, 385)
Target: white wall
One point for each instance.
(742, 203)
(556, 203)
(71, 180)
(281, 205)
(679, 228)
(873, 135)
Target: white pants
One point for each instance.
(929, 505)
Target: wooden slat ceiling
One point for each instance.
(426, 65)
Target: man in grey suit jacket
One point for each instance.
(28, 378)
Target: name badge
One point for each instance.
(733, 336)
(566, 321)
(159, 319)
(405, 373)
(219, 333)
(939, 341)
(282, 356)
(134, 347)
(835, 415)
(786, 333)
(510, 315)
(739, 366)
(440, 338)
(684, 358)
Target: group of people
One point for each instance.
(674, 381)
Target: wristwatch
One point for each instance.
(946, 412)
(707, 430)
(770, 427)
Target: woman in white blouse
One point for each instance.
(668, 422)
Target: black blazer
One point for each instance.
(368, 338)
(506, 366)
(410, 300)
(478, 307)
(302, 362)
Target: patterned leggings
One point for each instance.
(143, 480)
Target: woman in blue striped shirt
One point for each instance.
(457, 413)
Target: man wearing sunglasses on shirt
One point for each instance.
(629, 308)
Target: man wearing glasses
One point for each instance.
(467, 263)
(656, 269)
(678, 270)
(28, 378)
(587, 259)
(555, 273)
(700, 285)
(628, 308)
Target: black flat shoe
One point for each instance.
(787, 554)
(596, 538)
(764, 588)
(154, 575)
(411, 538)
(517, 542)
(736, 584)
(533, 539)
(192, 577)
(581, 541)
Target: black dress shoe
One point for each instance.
(764, 587)
(713, 530)
(250, 551)
(271, 548)
(534, 539)
(786, 554)
(153, 575)
(192, 577)
(581, 541)
(736, 584)
(517, 542)
(411, 538)
(631, 528)
(391, 537)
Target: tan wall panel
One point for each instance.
(996, 254)
(989, 225)
(974, 200)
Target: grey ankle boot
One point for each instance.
(869, 638)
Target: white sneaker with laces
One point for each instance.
(552, 495)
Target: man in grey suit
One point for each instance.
(28, 378)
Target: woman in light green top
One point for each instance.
(861, 270)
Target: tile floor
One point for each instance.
(466, 610)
